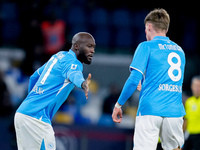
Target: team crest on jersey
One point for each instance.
(73, 66)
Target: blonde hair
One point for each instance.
(159, 18)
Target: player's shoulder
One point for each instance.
(147, 44)
(146, 47)
(143, 45)
(65, 56)
(68, 58)
(60, 55)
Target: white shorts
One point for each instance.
(149, 128)
(33, 134)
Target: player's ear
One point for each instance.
(166, 31)
(76, 46)
(150, 26)
(147, 26)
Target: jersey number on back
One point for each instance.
(49, 70)
(174, 66)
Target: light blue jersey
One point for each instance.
(162, 63)
(51, 84)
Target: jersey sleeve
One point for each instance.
(71, 67)
(130, 86)
(34, 77)
(73, 72)
(140, 58)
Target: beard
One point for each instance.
(83, 58)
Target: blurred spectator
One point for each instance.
(53, 31)
(6, 116)
(5, 103)
(192, 118)
(70, 111)
(110, 100)
(67, 112)
(17, 83)
(108, 106)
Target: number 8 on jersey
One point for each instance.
(174, 66)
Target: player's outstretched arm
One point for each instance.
(85, 85)
(131, 84)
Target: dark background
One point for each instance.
(117, 26)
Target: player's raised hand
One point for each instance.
(117, 115)
(85, 85)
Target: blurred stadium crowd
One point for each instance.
(31, 31)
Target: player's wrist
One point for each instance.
(117, 105)
(83, 85)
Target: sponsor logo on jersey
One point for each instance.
(38, 90)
